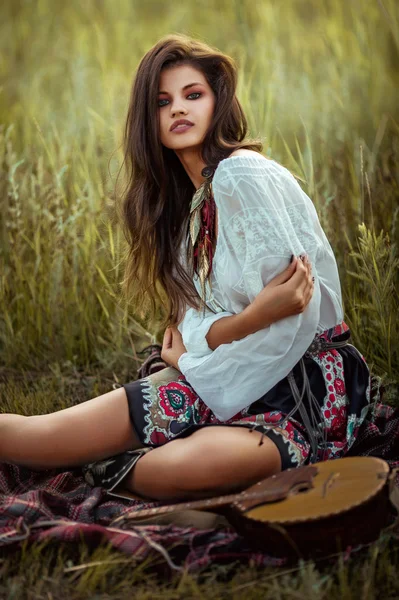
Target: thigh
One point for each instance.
(92, 430)
(232, 454)
(213, 459)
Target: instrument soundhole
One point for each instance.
(301, 487)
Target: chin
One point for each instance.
(186, 141)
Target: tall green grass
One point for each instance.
(318, 81)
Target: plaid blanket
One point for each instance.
(61, 505)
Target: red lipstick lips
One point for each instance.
(181, 122)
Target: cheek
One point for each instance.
(208, 109)
(163, 126)
(162, 121)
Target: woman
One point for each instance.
(261, 376)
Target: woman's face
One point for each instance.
(184, 94)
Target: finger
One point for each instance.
(176, 336)
(300, 265)
(308, 277)
(310, 290)
(306, 261)
(309, 293)
(300, 277)
(167, 338)
(287, 273)
(308, 274)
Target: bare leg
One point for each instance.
(210, 461)
(90, 431)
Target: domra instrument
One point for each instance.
(308, 511)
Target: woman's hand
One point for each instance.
(294, 285)
(287, 294)
(172, 347)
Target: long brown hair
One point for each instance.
(157, 198)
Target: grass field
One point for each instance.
(318, 82)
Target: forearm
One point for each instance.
(236, 327)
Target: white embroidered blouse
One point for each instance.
(264, 217)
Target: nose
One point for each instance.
(176, 109)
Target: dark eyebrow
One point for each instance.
(186, 86)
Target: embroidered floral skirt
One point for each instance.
(164, 406)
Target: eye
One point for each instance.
(192, 94)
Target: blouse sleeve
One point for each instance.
(195, 325)
(263, 218)
(194, 328)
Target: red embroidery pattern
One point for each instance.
(171, 405)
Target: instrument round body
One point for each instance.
(324, 508)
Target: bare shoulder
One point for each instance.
(244, 152)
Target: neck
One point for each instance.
(193, 165)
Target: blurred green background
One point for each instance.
(318, 81)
